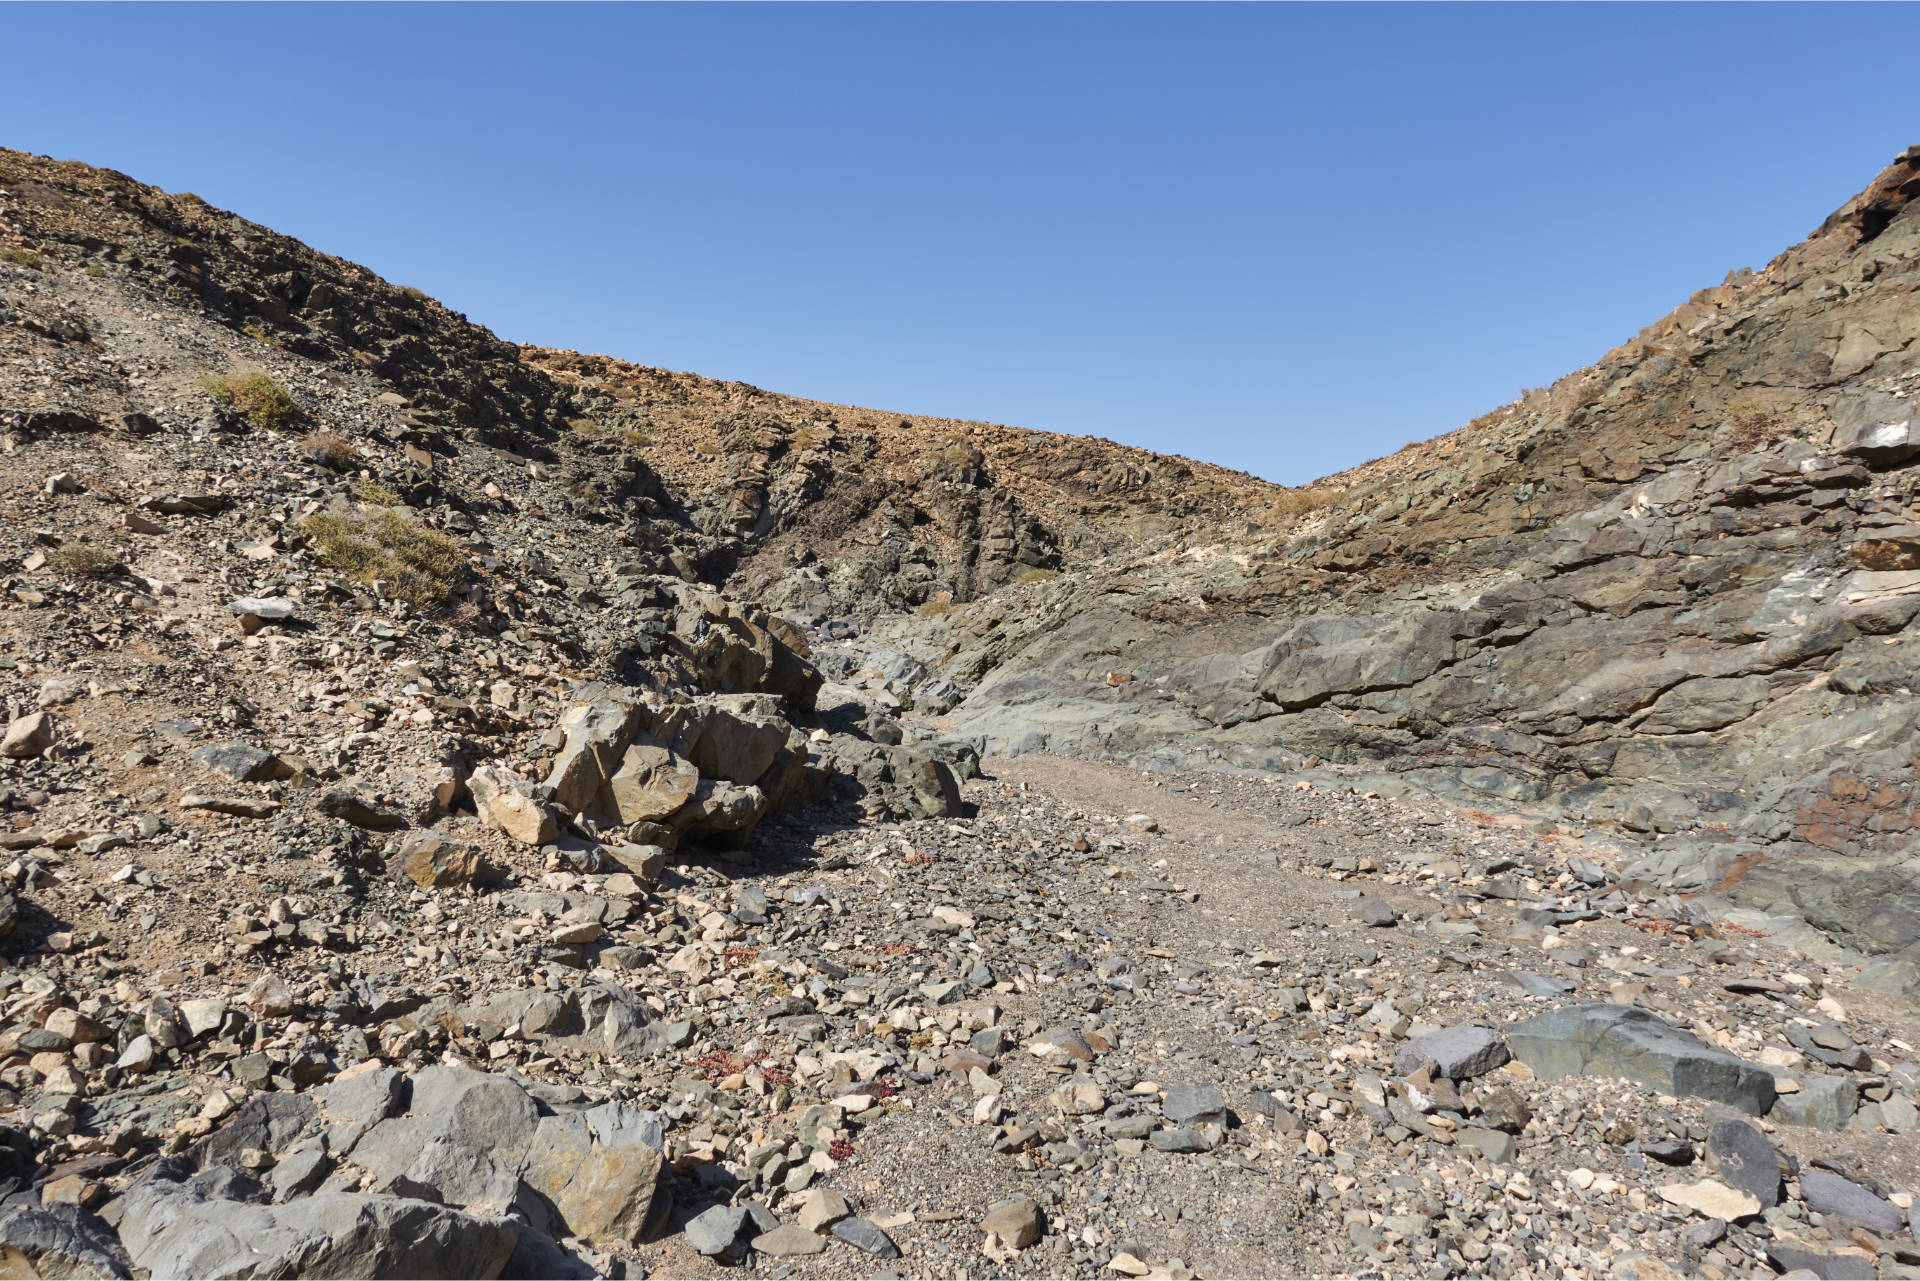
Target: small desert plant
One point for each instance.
(266, 403)
(935, 608)
(330, 449)
(21, 258)
(418, 295)
(96, 271)
(259, 333)
(1310, 498)
(372, 491)
(1751, 426)
(637, 439)
(1037, 575)
(419, 565)
(81, 560)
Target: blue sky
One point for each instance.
(1281, 238)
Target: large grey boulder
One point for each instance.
(1620, 1040)
(465, 1138)
(171, 1230)
(601, 1169)
(59, 1241)
(1745, 1160)
(1846, 1204)
(1876, 429)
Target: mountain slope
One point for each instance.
(1669, 597)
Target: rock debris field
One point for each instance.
(419, 857)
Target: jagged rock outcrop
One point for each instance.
(1671, 596)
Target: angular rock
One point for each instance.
(789, 1240)
(1849, 1204)
(1619, 1040)
(865, 1234)
(1711, 1199)
(508, 802)
(28, 736)
(1457, 1053)
(242, 762)
(1017, 1222)
(58, 1241)
(432, 861)
(1746, 1160)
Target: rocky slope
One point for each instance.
(463, 818)
(835, 512)
(1669, 598)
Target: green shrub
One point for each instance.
(96, 271)
(1037, 575)
(267, 404)
(419, 565)
(21, 258)
(372, 491)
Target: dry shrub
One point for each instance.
(330, 449)
(267, 404)
(1752, 426)
(1302, 501)
(81, 560)
(419, 565)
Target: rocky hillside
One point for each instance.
(1668, 599)
(469, 812)
(835, 512)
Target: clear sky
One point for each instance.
(1281, 238)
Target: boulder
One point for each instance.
(1746, 1160)
(1456, 1053)
(601, 1169)
(173, 1230)
(507, 801)
(432, 861)
(58, 1241)
(1845, 1204)
(1876, 429)
(597, 734)
(28, 736)
(650, 785)
(239, 761)
(1621, 1040)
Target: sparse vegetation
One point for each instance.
(96, 271)
(636, 439)
(416, 564)
(81, 560)
(267, 404)
(331, 450)
(257, 331)
(21, 258)
(372, 491)
(1308, 498)
(1751, 426)
(935, 608)
(1037, 575)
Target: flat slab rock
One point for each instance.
(1620, 1040)
(1456, 1053)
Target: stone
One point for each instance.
(1457, 1053)
(1374, 912)
(789, 1240)
(1710, 1199)
(1079, 1098)
(1821, 1103)
(58, 1241)
(1619, 1040)
(1495, 1145)
(169, 1230)
(1796, 1258)
(349, 806)
(1017, 1222)
(820, 1208)
(866, 1235)
(28, 736)
(432, 861)
(1745, 1159)
(508, 803)
(651, 784)
(597, 733)
(601, 1169)
(723, 1231)
(267, 996)
(239, 761)
(256, 612)
(1848, 1204)
(1186, 1103)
